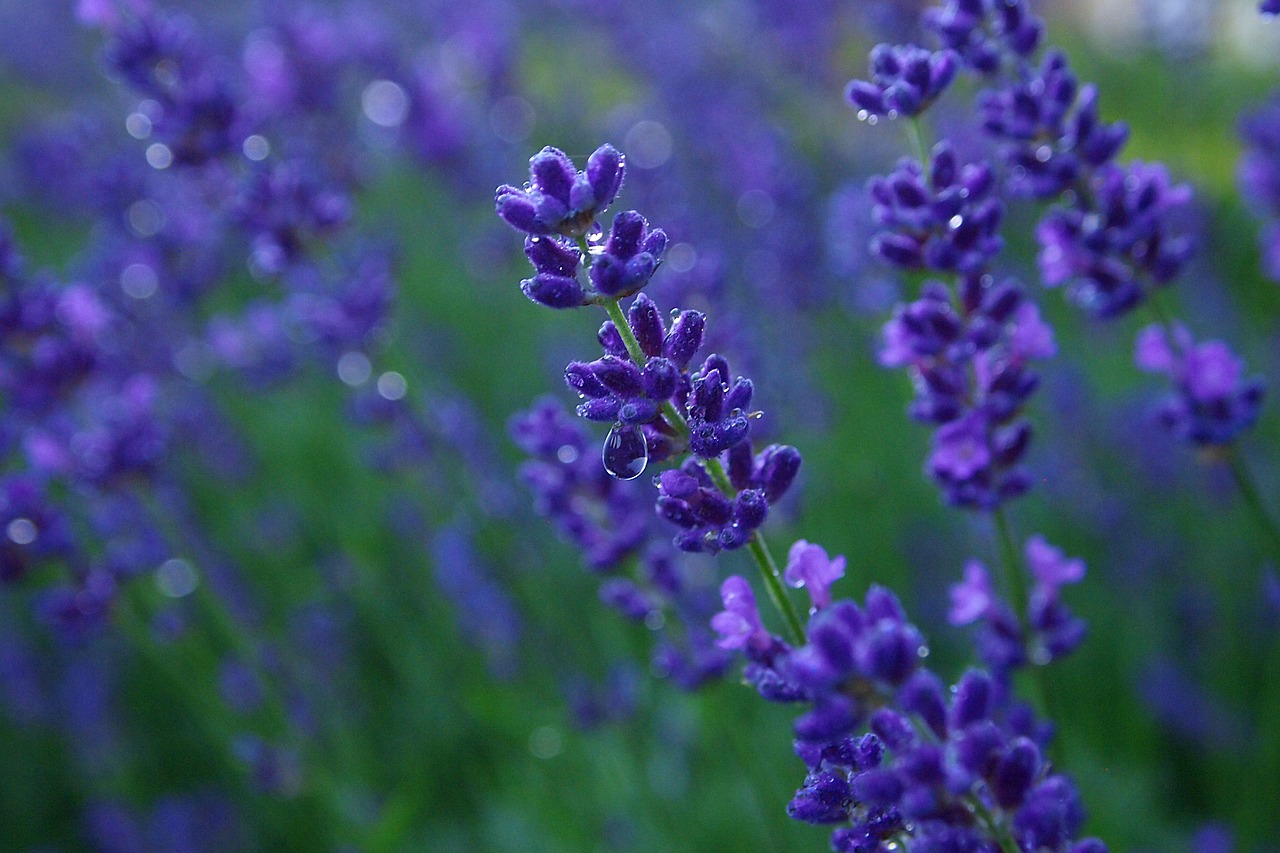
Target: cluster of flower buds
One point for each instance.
(984, 32)
(892, 754)
(946, 220)
(560, 199)
(1051, 632)
(557, 211)
(1050, 129)
(969, 364)
(1114, 249)
(1212, 401)
(905, 80)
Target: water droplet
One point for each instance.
(626, 453)
(675, 313)
(862, 115)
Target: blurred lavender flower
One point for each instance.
(905, 80)
(1213, 402)
(1259, 174)
(486, 616)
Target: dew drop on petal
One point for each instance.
(626, 453)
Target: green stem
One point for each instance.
(1015, 584)
(773, 582)
(759, 550)
(917, 140)
(1017, 592)
(1252, 498)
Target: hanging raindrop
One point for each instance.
(626, 453)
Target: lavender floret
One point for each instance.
(558, 198)
(905, 80)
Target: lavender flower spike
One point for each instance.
(559, 199)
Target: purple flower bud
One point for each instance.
(1015, 773)
(554, 291)
(685, 338)
(647, 326)
(605, 168)
(778, 470)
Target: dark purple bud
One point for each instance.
(778, 470)
(832, 717)
(638, 411)
(581, 377)
(603, 410)
(942, 171)
(893, 728)
(891, 653)
(646, 324)
(553, 173)
(972, 700)
(710, 439)
(676, 511)
(625, 235)
(742, 466)
(733, 537)
(750, 509)
(677, 484)
(685, 338)
(618, 375)
(825, 798)
(882, 604)
(660, 379)
(1015, 773)
(605, 168)
(516, 209)
(713, 508)
(879, 787)
(739, 396)
(977, 747)
(655, 244)
(868, 751)
(611, 340)
(925, 765)
(866, 96)
(554, 291)
(549, 255)
(609, 275)
(897, 249)
(924, 695)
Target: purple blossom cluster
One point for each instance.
(970, 367)
(1109, 234)
(893, 756)
(889, 756)
(967, 346)
(644, 384)
(1050, 631)
(1212, 401)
